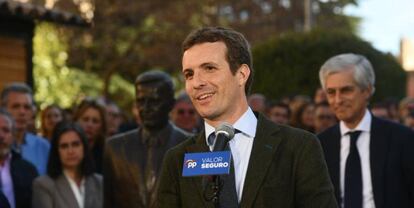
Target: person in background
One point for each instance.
(184, 116)
(409, 120)
(381, 110)
(324, 117)
(278, 112)
(257, 102)
(370, 160)
(132, 160)
(49, 117)
(320, 96)
(305, 117)
(295, 103)
(16, 174)
(91, 117)
(405, 106)
(17, 99)
(392, 104)
(68, 114)
(70, 181)
(113, 116)
(130, 123)
(31, 125)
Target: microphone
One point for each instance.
(211, 183)
(224, 133)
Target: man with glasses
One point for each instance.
(184, 116)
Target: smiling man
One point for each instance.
(274, 166)
(370, 160)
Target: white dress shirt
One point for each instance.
(363, 148)
(7, 181)
(241, 146)
(79, 192)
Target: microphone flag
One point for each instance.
(206, 163)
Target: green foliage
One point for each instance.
(289, 65)
(129, 37)
(56, 82)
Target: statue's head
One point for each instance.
(154, 98)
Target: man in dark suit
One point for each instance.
(16, 174)
(4, 203)
(274, 166)
(370, 160)
(132, 160)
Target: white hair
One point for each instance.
(363, 74)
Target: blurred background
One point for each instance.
(69, 49)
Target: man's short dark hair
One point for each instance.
(15, 87)
(238, 49)
(276, 103)
(157, 76)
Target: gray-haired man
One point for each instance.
(370, 160)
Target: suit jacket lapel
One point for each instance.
(264, 147)
(199, 145)
(63, 187)
(333, 158)
(378, 154)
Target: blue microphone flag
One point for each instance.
(206, 163)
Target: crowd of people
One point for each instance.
(314, 114)
(89, 156)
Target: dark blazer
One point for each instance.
(57, 193)
(125, 159)
(23, 173)
(286, 169)
(4, 203)
(391, 160)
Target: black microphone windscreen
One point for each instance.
(224, 132)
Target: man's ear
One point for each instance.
(369, 92)
(243, 74)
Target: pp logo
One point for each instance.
(191, 163)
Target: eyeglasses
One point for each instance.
(185, 111)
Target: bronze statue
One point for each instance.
(132, 160)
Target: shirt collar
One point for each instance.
(246, 124)
(364, 125)
(72, 181)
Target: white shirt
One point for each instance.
(78, 191)
(7, 181)
(363, 149)
(241, 146)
